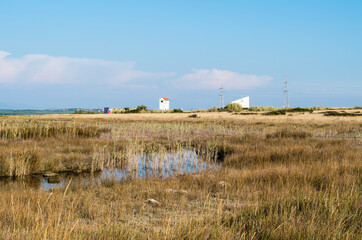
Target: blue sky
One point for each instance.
(56, 54)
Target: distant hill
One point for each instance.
(43, 112)
(35, 112)
(14, 106)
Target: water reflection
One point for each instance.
(143, 166)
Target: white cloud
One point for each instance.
(45, 69)
(214, 78)
(3, 54)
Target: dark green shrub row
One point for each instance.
(277, 112)
(343, 114)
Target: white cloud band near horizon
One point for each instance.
(215, 78)
(45, 69)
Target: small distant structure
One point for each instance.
(164, 104)
(107, 110)
(244, 102)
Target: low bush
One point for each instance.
(177, 111)
(298, 109)
(234, 107)
(213, 109)
(139, 109)
(261, 108)
(246, 113)
(277, 112)
(341, 114)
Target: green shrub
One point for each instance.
(79, 111)
(234, 107)
(342, 114)
(116, 110)
(246, 113)
(201, 110)
(213, 109)
(141, 108)
(317, 108)
(156, 111)
(261, 108)
(298, 109)
(277, 112)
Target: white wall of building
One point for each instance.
(244, 102)
(164, 104)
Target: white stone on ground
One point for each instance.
(153, 202)
(176, 191)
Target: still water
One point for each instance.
(143, 166)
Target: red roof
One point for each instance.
(165, 98)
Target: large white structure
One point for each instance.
(164, 104)
(244, 102)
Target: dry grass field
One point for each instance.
(296, 176)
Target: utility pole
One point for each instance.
(286, 94)
(221, 96)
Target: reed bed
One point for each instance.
(282, 177)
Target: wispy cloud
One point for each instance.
(45, 69)
(214, 78)
(49, 70)
(3, 54)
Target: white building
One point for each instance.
(164, 104)
(244, 102)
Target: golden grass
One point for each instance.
(289, 177)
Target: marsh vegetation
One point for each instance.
(290, 176)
